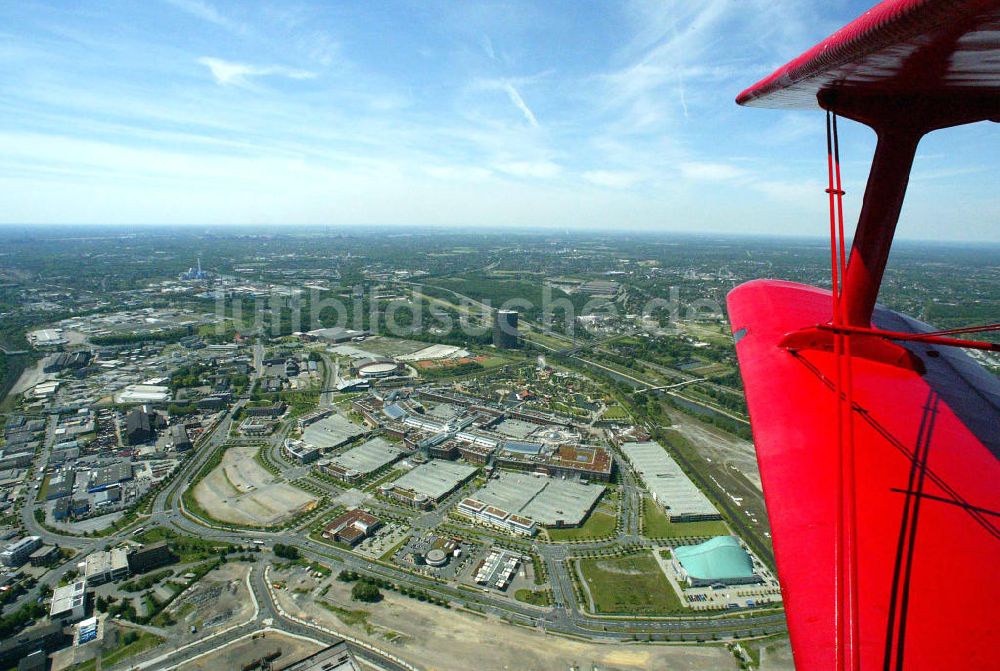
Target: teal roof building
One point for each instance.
(719, 560)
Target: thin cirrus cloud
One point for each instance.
(227, 73)
(210, 14)
(711, 171)
(614, 179)
(536, 169)
(518, 101)
(614, 114)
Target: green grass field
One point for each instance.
(656, 525)
(43, 491)
(615, 413)
(186, 548)
(146, 641)
(599, 525)
(632, 585)
(535, 597)
(352, 618)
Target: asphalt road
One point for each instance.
(565, 617)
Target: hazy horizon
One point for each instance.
(555, 116)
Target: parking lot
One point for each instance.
(411, 556)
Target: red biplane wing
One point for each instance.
(928, 488)
(899, 47)
(924, 437)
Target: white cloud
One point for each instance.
(488, 48)
(207, 12)
(614, 179)
(515, 97)
(228, 73)
(538, 169)
(452, 173)
(711, 171)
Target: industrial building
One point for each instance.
(547, 501)
(60, 484)
(428, 483)
(669, 486)
(176, 438)
(352, 527)
(19, 552)
(47, 338)
(106, 566)
(331, 432)
(505, 334)
(108, 496)
(141, 424)
(337, 657)
(360, 461)
(720, 560)
(69, 603)
(149, 557)
(64, 361)
(108, 476)
(143, 393)
(300, 451)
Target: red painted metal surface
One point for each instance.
(883, 201)
(927, 495)
(880, 461)
(905, 68)
(928, 338)
(899, 48)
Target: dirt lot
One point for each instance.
(447, 640)
(29, 378)
(777, 657)
(219, 600)
(239, 490)
(249, 650)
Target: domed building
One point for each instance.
(719, 560)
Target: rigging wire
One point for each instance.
(850, 551)
(840, 625)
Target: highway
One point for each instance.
(565, 617)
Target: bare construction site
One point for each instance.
(241, 491)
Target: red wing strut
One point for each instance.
(878, 440)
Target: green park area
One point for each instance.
(632, 585)
(536, 597)
(130, 644)
(656, 525)
(600, 524)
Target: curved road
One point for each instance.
(565, 617)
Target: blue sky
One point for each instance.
(610, 115)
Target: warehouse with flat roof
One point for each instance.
(331, 431)
(368, 457)
(547, 501)
(435, 479)
(669, 486)
(109, 476)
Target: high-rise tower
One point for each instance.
(505, 334)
